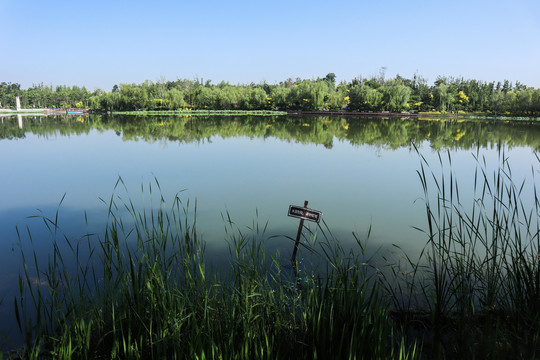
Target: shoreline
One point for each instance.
(21, 111)
(419, 116)
(382, 114)
(357, 113)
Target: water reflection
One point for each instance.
(387, 133)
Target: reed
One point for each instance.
(144, 290)
(473, 291)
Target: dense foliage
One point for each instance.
(361, 94)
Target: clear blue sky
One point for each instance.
(100, 43)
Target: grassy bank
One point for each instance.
(144, 290)
(477, 115)
(432, 114)
(22, 111)
(202, 112)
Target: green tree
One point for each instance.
(330, 78)
(395, 95)
(257, 99)
(442, 97)
(365, 98)
(174, 99)
(279, 98)
(132, 97)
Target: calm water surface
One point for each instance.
(360, 173)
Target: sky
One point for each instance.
(100, 43)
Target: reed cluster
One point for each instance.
(474, 291)
(143, 289)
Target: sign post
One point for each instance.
(303, 213)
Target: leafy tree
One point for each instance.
(365, 98)
(279, 98)
(175, 99)
(132, 97)
(395, 95)
(337, 99)
(330, 78)
(442, 96)
(257, 99)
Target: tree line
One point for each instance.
(375, 94)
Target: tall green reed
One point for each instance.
(478, 276)
(143, 289)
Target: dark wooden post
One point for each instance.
(300, 227)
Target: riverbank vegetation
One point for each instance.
(375, 94)
(143, 288)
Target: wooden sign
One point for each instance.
(304, 213)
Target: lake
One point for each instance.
(361, 173)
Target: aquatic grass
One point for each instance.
(143, 289)
(476, 294)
